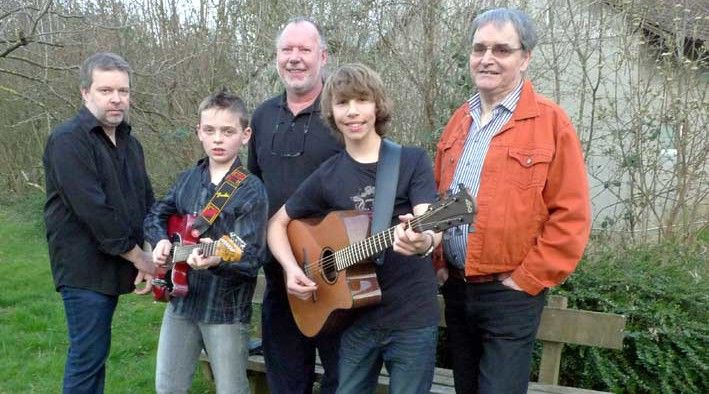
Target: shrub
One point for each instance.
(663, 291)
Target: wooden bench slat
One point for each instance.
(538, 388)
(576, 327)
(581, 327)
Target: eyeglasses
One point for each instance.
(289, 143)
(499, 51)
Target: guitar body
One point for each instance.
(353, 287)
(172, 282)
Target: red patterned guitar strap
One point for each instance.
(221, 197)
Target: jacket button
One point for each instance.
(529, 160)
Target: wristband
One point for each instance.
(430, 248)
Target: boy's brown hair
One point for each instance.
(355, 81)
(223, 99)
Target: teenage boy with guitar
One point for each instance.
(401, 330)
(216, 311)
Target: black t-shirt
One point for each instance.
(285, 149)
(408, 283)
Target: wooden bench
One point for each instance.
(559, 326)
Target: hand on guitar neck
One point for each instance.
(409, 242)
(196, 259)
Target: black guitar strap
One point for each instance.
(385, 187)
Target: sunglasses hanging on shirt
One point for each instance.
(289, 140)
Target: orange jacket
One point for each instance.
(534, 215)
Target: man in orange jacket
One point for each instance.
(518, 154)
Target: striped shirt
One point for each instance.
(471, 162)
(220, 294)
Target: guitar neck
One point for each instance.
(453, 211)
(362, 250)
(181, 252)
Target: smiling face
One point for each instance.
(221, 135)
(355, 118)
(108, 97)
(300, 58)
(496, 76)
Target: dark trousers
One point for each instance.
(491, 330)
(88, 315)
(289, 355)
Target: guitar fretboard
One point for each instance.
(181, 252)
(362, 250)
(453, 211)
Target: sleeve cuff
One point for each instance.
(526, 282)
(116, 246)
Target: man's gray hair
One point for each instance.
(304, 19)
(105, 61)
(523, 24)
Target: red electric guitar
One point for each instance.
(171, 281)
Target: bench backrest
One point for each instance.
(559, 326)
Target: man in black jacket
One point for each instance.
(98, 193)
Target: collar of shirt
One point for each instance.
(203, 165)
(89, 123)
(282, 104)
(509, 102)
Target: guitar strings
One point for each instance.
(184, 251)
(329, 261)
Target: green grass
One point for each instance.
(33, 339)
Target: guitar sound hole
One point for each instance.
(329, 271)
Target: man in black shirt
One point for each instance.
(289, 141)
(98, 193)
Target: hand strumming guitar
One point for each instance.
(297, 283)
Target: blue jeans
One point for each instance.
(409, 356)
(88, 316)
(182, 339)
(491, 330)
(290, 355)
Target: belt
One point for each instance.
(458, 273)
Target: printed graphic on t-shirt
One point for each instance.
(364, 201)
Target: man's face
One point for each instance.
(108, 97)
(498, 70)
(299, 58)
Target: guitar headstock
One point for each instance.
(454, 210)
(230, 248)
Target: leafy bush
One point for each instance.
(663, 291)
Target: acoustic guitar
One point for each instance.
(171, 280)
(333, 252)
